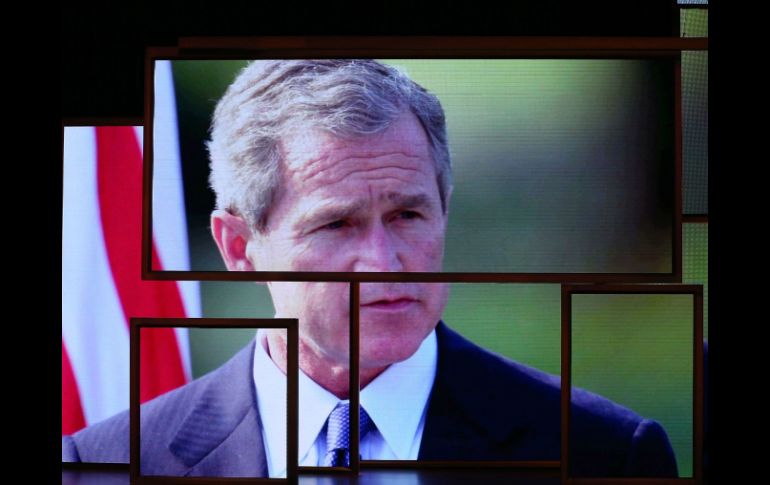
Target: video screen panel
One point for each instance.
(557, 165)
(101, 281)
(473, 373)
(204, 428)
(637, 351)
(695, 132)
(695, 263)
(217, 257)
(521, 323)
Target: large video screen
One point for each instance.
(544, 166)
(534, 167)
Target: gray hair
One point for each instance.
(344, 97)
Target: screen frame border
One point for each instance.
(696, 291)
(292, 391)
(420, 47)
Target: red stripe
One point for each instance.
(71, 410)
(119, 174)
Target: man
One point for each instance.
(343, 165)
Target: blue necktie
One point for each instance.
(338, 434)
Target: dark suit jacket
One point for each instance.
(482, 407)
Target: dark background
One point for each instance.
(101, 66)
(103, 44)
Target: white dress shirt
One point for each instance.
(396, 400)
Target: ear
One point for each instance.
(448, 199)
(232, 235)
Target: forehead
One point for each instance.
(315, 158)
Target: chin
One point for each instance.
(387, 338)
(384, 352)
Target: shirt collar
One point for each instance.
(315, 405)
(397, 398)
(395, 401)
(270, 384)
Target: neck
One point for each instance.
(332, 376)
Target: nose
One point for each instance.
(378, 250)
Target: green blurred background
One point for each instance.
(693, 23)
(637, 350)
(558, 165)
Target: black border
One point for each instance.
(417, 47)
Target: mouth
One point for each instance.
(390, 304)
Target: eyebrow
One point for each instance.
(330, 213)
(345, 210)
(411, 201)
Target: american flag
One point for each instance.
(101, 267)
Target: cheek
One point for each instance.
(426, 253)
(437, 295)
(299, 299)
(287, 298)
(325, 305)
(313, 255)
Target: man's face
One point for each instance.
(368, 204)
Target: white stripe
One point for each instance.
(183, 342)
(188, 290)
(93, 324)
(169, 218)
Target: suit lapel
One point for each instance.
(221, 436)
(240, 454)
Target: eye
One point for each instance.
(333, 226)
(408, 215)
